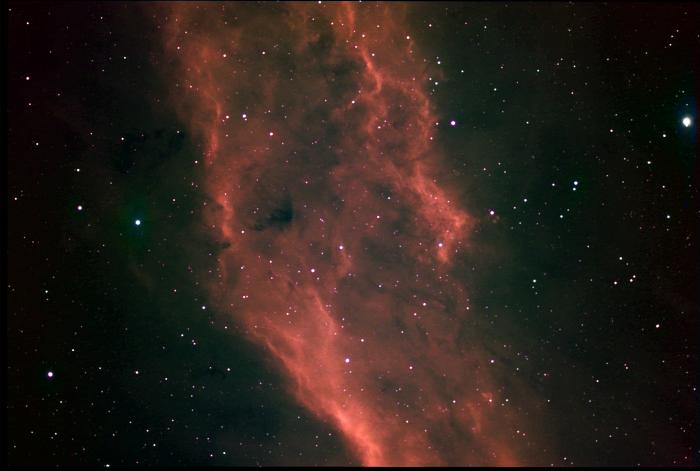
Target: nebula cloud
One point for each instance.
(340, 232)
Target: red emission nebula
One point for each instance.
(340, 229)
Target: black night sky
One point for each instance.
(352, 234)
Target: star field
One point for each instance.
(330, 233)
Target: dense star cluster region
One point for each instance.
(334, 233)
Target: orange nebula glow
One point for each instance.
(339, 232)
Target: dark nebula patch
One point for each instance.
(278, 218)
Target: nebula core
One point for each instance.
(338, 255)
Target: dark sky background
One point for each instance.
(569, 127)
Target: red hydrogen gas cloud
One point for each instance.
(339, 233)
